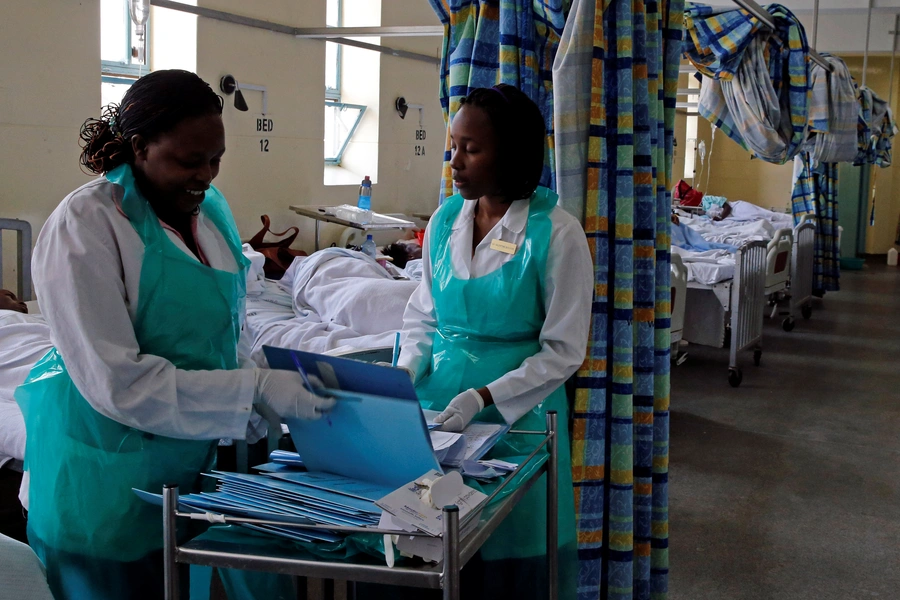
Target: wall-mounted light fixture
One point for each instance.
(229, 85)
(403, 106)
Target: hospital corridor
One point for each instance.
(449, 299)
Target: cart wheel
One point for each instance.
(788, 324)
(806, 311)
(757, 357)
(735, 376)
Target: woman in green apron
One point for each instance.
(142, 281)
(501, 318)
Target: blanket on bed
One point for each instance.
(339, 298)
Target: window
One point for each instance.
(341, 118)
(690, 151)
(119, 63)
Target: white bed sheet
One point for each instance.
(333, 299)
(708, 268)
(24, 339)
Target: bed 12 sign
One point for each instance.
(420, 137)
(264, 125)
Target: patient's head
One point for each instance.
(8, 301)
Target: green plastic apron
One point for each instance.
(83, 465)
(486, 327)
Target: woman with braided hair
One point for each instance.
(142, 281)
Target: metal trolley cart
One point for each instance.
(444, 575)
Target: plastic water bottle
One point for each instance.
(368, 247)
(365, 200)
(892, 257)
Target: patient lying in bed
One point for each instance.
(333, 299)
(24, 339)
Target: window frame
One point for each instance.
(335, 161)
(334, 94)
(127, 71)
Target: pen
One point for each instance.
(396, 350)
(302, 372)
(307, 382)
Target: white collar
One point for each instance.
(514, 220)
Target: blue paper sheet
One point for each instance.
(307, 494)
(327, 481)
(687, 239)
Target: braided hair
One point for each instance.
(154, 104)
(519, 128)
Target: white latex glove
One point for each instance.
(461, 410)
(283, 393)
(406, 370)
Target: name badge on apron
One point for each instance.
(505, 247)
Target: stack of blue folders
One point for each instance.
(288, 496)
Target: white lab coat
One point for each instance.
(87, 267)
(24, 340)
(569, 284)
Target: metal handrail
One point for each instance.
(23, 256)
(760, 13)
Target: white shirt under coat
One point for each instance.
(87, 268)
(568, 285)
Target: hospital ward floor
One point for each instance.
(789, 486)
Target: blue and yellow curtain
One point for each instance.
(487, 42)
(753, 79)
(620, 149)
(815, 193)
(615, 79)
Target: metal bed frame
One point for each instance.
(23, 256)
(444, 575)
(679, 277)
(802, 267)
(742, 299)
(799, 288)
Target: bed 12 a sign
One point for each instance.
(420, 137)
(264, 125)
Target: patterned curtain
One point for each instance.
(624, 154)
(487, 42)
(815, 193)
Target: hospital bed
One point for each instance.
(790, 251)
(802, 266)
(794, 268)
(23, 256)
(778, 272)
(731, 309)
(679, 280)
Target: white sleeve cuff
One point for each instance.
(510, 410)
(237, 427)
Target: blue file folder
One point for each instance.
(375, 433)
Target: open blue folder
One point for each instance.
(375, 433)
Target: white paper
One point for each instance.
(441, 440)
(407, 504)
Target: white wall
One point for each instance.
(294, 72)
(49, 84)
